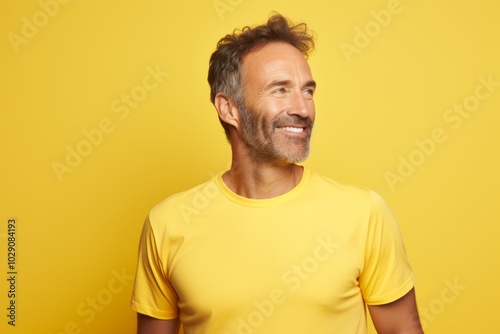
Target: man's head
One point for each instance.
(263, 76)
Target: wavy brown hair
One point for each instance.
(224, 73)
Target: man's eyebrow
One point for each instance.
(276, 83)
(311, 84)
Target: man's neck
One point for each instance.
(262, 180)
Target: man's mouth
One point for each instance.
(292, 129)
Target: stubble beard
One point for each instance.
(261, 139)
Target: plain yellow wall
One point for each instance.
(104, 111)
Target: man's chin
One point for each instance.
(289, 159)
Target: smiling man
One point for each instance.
(269, 246)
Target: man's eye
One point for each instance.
(280, 90)
(309, 92)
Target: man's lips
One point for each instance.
(294, 125)
(294, 129)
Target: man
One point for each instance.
(270, 246)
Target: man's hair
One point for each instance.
(224, 73)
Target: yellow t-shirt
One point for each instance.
(304, 262)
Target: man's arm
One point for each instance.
(149, 325)
(398, 317)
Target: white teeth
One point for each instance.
(296, 130)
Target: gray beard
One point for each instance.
(262, 146)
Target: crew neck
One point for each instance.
(266, 202)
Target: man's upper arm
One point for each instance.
(149, 325)
(400, 316)
(152, 294)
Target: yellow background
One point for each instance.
(77, 234)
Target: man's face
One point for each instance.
(278, 108)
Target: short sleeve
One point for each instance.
(387, 274)
(153, 295)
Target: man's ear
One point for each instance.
(227, 109)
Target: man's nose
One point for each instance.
(301, 105)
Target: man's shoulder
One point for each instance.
(338, 187)
(351, 193)
(347, 194)
(193, 196)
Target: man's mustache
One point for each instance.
(293, 120)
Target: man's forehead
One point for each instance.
(274, 60)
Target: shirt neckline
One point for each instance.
(267, 202)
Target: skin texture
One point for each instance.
(278, 93)
(398, 317)
(278, 97)
(148, 325)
